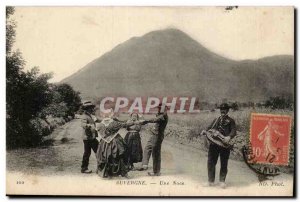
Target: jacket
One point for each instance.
(226, 126)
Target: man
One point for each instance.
(226, 126)
(154, 143)
(89, 135)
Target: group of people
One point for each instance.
(116, 155)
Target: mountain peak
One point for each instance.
(171, 31)
(168, 34)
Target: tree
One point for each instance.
(279, 103)
(64, 102)
(10, 29)
(68, 96)
(30, 98)
(27, 93)
(235, 106)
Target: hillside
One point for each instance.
(169, 62)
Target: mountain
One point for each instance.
(170, 63)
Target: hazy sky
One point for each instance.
(64, 39)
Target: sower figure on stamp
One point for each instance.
(89, 135)
(155, 141)
(266, 136)
(227, 129)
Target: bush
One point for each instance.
(68, 96)
(40, 127)
(55, 110)
(279, 103)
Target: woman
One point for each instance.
(111, 153)
(133, 141)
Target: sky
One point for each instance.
(62, 40)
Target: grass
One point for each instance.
(242, 118)
(200, 121)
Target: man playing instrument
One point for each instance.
(226, 126)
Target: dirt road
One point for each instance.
(184, 172)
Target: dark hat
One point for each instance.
(224, 106)
(87, 104)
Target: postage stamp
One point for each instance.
(270, 138)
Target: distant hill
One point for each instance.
(169, 62)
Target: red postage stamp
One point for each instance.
(270, 138)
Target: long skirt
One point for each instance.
(134, 148)
(111, 157)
